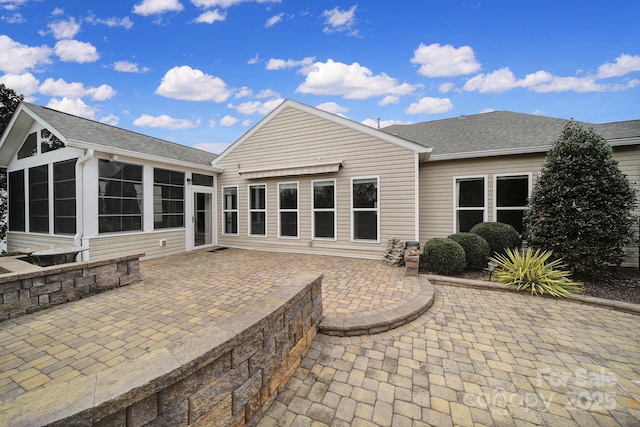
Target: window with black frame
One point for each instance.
(119, 196)
(64, 197)
(17, 201)
(39, 199)
(168, 198)
(365, 208)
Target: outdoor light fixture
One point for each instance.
(490, 267)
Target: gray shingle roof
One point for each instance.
(111, 137)
(499, 131)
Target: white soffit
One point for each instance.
(275, 172)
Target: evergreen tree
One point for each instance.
(9, 101)
(582, 207)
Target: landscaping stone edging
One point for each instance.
(28, 292)
(225, 374)
(481, 284)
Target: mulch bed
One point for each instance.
(621, 284)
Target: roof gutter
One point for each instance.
(136, 155)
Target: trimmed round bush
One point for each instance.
(444, 256)
(499, 235)
(476, 249)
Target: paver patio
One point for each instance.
(475, 357)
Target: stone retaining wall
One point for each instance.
(28, 292)
(223, 375)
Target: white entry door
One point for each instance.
(202, 219)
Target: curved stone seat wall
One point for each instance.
(222, 375)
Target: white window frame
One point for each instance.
(529, 176)
(225, 211)
(250, 210)
(296, 210)
(333, 210)
(376, 209)
(485, 208)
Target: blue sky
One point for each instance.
(202, 72)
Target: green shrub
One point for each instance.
(500, 236)
(444, 256)
(531, 270)
(582, 206)
(476, 249)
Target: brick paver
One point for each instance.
(178, 295)
(477, 357)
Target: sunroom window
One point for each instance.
(119, 197)
(64, 197)
(39, 199)
(168, 198)
(16, 201)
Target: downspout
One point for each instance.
(77, 239)
(416, 192)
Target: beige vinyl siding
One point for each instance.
(294, 137)
(437, 188)
(21, 240)
(149, 243)
(437, 191)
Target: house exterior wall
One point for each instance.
(147, 243)
(437, 186)
(297, 137)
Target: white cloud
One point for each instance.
(332, 107)
(281, 64)
(254, 60)
(157, 7)
(227, 3)
(428, 105)
(498, 81)
(388, 100)
(12, 4)
(267, 93)
(246, 122)
(129, 67)
(446, 87)
(190, 84)
(490, 110)
(273, 20)
(228, 120)
(73, 106)
(243, 92)
(125, 22)
(252, 107)
(75, 90)
(64, 29)
(111, 119)
(212, 147)
(340, 20)
(624, 64)
(15, 58)
(164, 121)
(383, 123)
(445, 61)
(16, 18)
(25, 84)
(350, 81)
(541, 82)
(211, 16)
(76, 51)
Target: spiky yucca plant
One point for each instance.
(533, 271)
